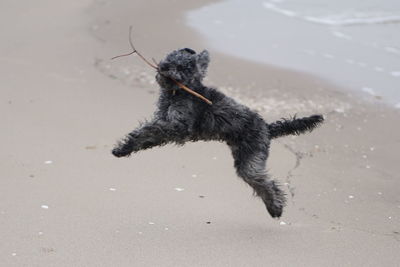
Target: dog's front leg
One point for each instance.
(150, 134)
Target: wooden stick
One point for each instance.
(187, 89)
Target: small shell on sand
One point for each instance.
(179, 189)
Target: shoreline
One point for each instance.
(358, 65)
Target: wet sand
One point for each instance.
(65, 201)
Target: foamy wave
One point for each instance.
(343, 21)
(279, 10)
(355, 18)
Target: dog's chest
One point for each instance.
(176, 107)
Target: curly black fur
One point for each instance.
(182, 117)
(294, 126)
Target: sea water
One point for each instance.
(351, 42)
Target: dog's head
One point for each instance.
(184, 66)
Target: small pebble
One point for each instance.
(351, 197)
(151, 223)
(48, 162)
(14, 254)
(44, 207)
(166, 228)
(40, 233)
(379, 193)
(214, 158)
(194, 175)
(112, 189)
(282, 223)
(368, 167)
(208, 222)
(179, 189)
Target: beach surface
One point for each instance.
(66, 201)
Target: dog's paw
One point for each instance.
(120, 151)
(277, 203)
(275, 210)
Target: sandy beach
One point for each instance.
(66, 201)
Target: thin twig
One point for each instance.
(187, 89)
(182, 86)
(135, 51)
(155, 62)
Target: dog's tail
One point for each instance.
(294, 126)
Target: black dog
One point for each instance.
(182, 117)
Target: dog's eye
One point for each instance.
(164, 67)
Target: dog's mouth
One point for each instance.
(173, 84)
(165, 81)
(172, 79)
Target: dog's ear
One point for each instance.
(202, 61)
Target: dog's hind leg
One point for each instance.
(251, 168)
